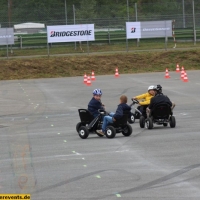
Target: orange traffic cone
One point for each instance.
(182, 74)
(177, 68)
(167, 73)
(85, 79)
(182, 68)
(88, 81)
(116, 73)
(93, 76)
(185, 79)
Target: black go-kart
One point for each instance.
(161, 115)
(89, 125)
(135, 112)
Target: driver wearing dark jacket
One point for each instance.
(158, 99)
(122, 109)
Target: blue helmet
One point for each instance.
(97, 92)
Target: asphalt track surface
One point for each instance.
(42, 154)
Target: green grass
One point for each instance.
(103, 64)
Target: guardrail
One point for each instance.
(108, 37)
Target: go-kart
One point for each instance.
(89, 125)
(119, 126)
(135, 112)
(161, 115)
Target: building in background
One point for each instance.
(29, 28)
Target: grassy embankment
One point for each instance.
(77, 65)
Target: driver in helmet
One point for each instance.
(145, 99)
(158, 99)
(159, 91)
(95, 103)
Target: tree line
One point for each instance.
(63, 11)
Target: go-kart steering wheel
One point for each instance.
(135, 101)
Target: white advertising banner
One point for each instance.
(70, 33)
(149, 29)
(6, 36)
(133, 30)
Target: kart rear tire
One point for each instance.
(110, 132)
(78, 126)
(172, 122)
(142, 121)
(127, 130)
(131, 119)
(83, 132)
(149, 123)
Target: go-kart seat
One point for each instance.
(161, 111)
(85, 116)
(122, 121)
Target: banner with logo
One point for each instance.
(6, 36)
(152, 29)
(70, 33)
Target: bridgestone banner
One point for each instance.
(152, 29)
(70, 33)
(6, 36)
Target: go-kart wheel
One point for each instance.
(149, 123)
(110, 132)
(142, 121)
(78, 126)
(165, 124)
(83, 132)
(172, 122)
(131, 120)
(127, 130)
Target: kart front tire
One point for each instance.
(131, 120)
(83, 132)
(142, 121)
(110, 132)
(149, 123)
(127, 130)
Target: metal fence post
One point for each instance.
(74, 22)
(66, 11)
(20, 42)
(183, 2)
(194, 26)
(127, 4)
(136, 19)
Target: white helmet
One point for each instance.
(151, 87)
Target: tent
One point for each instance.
(29, 27)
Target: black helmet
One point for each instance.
(159, 88)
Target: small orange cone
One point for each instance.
(85, 79)
(93, 76)
(167, 73)
(88, 81)
(185, 79)
(177, 68)
(116, 73)
(182, 68)
(182, 74)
